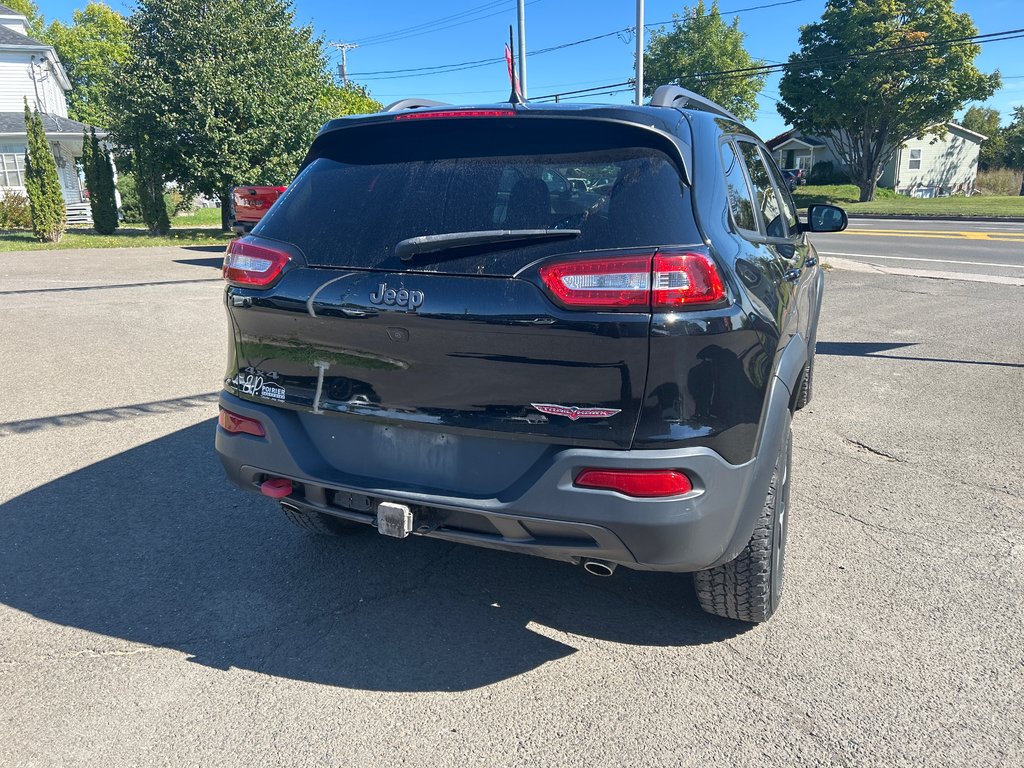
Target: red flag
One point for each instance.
(512, 79)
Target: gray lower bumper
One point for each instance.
(542, 513)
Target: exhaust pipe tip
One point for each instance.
(601, 568)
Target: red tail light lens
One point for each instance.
(664, 281)
(643, 483)
(251, 265)
(424, 115)
(684, 279)
(236, 424)
(623, 281)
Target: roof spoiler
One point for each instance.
(401, 104)
(680, 98)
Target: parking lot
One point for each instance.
(153, 615)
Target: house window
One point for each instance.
(12, 169)
(915, 160)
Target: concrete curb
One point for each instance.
(969, 277)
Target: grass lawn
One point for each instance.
(128, 237)
(201, 217)
(887, 201)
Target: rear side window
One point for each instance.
(736, 188)
(786, 203)
(342, 213)
(764, 192)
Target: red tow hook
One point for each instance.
(276, 487)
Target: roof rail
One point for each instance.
(677, 96)
(401, 104)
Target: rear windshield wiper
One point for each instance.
(408, 248)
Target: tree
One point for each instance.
(349, 99)
(45, 200)
(872, 75)
(700, 42)
(1014, 133)
(985, 121)
(99, 179)
(28, 9)
(219, 94)
(92, 49)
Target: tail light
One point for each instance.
(663, 281)
(237, 424)
(644, 483)
(251, 265)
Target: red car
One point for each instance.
(249, 204)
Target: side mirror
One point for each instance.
(826, 218)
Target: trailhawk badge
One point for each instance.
(574, 412)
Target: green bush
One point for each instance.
(45, 200)
(14, 211)
(175, 202)
(99, 179)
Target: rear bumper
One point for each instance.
(539, 513)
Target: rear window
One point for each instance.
(342, 213)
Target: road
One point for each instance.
(152, 615)
(963, 247)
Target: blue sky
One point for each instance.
(477, 29)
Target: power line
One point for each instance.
(728, 74)
(462, 20)
(369, 40)
(392, 74)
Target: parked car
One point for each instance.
(430, 337)
(794, 177)
(249, 204)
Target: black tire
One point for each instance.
(321, 524)
(749, 588)
(806, 386)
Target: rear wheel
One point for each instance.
(319, 523)
(749, 588)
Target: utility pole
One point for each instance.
(343, 67)
(521, 18)
(639, 52)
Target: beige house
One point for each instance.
(31, 70)
(926, 166)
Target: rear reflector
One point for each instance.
(236, 424)
(423, 115)
(665, 281)
(251, 265)
(645, 483)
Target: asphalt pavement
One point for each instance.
(966, 248)
(152, 615)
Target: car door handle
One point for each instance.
(811, 261)
(792, 275)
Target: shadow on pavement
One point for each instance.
(215, 262)
(154, 547)
(872, 348)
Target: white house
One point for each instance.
(30, 69)
(926, 166)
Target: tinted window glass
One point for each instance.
(767, 202)
(345, 214)
(736, 188)
(785, 198)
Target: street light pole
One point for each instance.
(639, 52)
(521, 17)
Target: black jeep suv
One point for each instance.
(433, 333)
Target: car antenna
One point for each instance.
(516, 97)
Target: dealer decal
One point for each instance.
(574, 412)
(254, 382)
